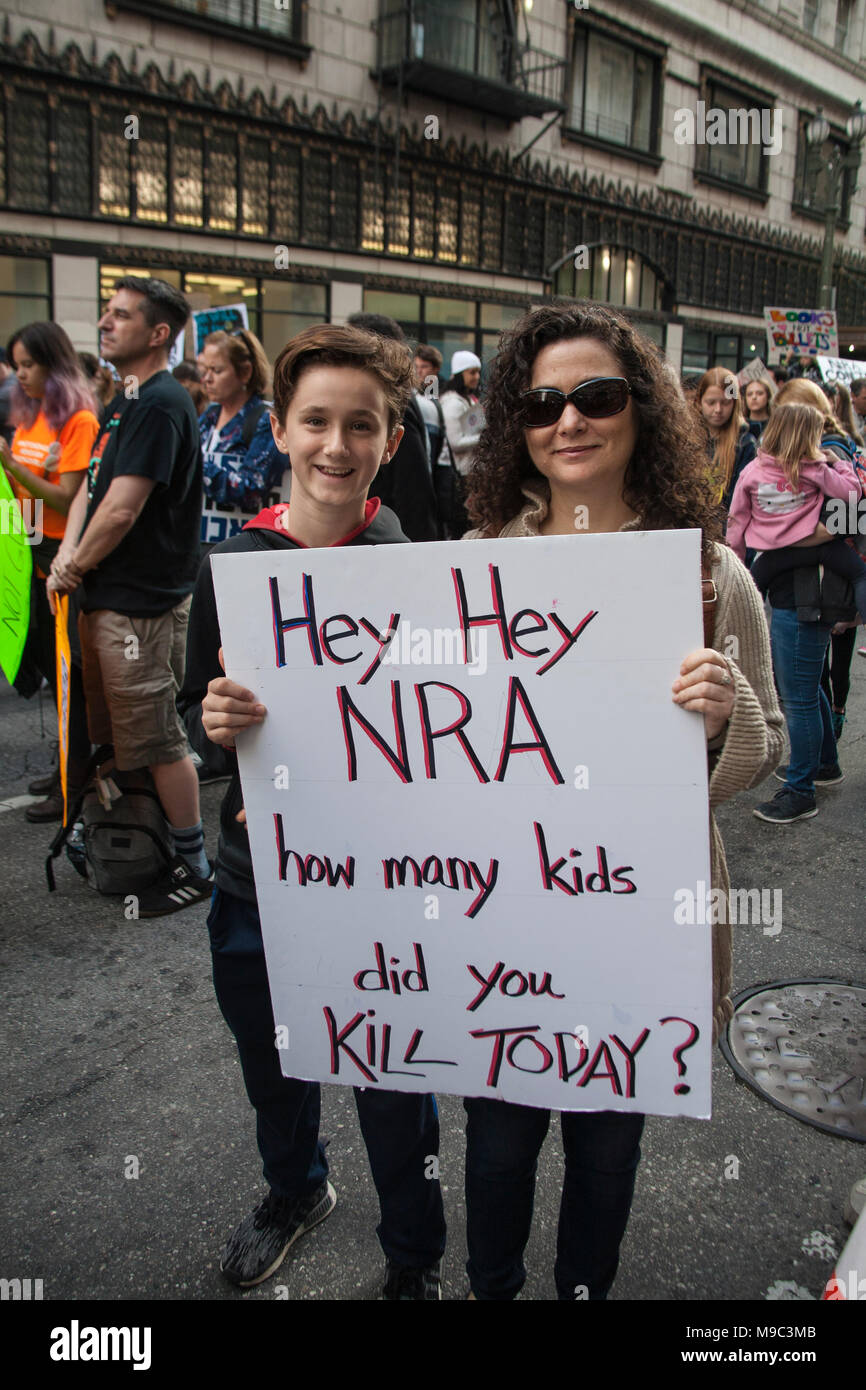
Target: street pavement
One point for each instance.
(114, 1049)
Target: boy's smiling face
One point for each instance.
(336, 435)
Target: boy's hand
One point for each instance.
(227, 709)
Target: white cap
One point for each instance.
(463, 359)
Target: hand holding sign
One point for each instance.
(228, 708)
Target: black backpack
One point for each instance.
(126, 844)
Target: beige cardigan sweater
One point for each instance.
(752, 744)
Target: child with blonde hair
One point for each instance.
(778, 501)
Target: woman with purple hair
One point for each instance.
(53, 409)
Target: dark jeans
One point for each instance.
(401, 1131)
(798, 660)
(836, 676)
(503, 1141)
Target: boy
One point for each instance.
(339, 396)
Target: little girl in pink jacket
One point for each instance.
(778, 501)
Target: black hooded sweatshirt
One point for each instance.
(234, 868)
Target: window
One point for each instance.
(734, 149)
(614, 275)
(447, 324)
(23, 293)
(272, 24)
(27, 161)
(844, 13)
(810, 15)
(613, 91)
(811, 184)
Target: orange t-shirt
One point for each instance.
(30, 449)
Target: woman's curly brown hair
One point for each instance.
(665, 482)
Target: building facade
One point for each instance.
(443, 161)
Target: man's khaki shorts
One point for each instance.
(133, 668)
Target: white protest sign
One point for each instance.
(468, 871)
(843, 369)
(755, 371)
(803, 331)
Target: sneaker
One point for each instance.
(178, 889)
(259, 1245)
(830, 775)
(404, 1285)
(786, 806)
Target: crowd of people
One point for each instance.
(579, 411)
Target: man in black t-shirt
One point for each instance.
(131, 543)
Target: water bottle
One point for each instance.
(75, 851)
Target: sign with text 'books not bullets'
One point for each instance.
(471, 804)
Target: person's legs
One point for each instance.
(503, 1142)
(602, 1152)
(798, 656)
(401, 1132)
(177, 788)
(287, 1111)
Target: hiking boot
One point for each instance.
(830, 775)
(259, 1245)
(45, 785)
(49, 809)
(404, 1285)
(179, 888)
(786, 806)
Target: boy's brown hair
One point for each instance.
(335, 345)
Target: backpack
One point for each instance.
(126, 840)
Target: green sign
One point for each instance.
(16, 566)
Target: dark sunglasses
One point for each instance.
(596, 399)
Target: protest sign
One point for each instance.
(755, 371)
(226, 318)
(64, 664)
(16, 567)
(803, 331)
(472, 806)
(843, 369)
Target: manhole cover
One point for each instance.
(801, 1044)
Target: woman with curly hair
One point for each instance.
(729, 443)
(582, 412)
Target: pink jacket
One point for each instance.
(767, 514)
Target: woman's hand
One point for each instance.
(6, 454)
(705, 684)
(227, 708)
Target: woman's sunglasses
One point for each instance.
(596, 399)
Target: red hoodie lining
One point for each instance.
(268, 520)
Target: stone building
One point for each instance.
(438, 160)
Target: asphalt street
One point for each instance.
(114, 1049)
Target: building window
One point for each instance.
(810, 15)
(188, 179)
(151, 169)
(613, 275)
(24, 293)
(27, 160)
(613, 91)
(446, 324)
(74, 159)
(844, 14)
(114, 166)
(738, 157)
(277, 309)
(273, 24)
(810, 181)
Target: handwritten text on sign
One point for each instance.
(470, 806)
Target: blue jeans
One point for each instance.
(798, 651)
(400, 1131)
(503, 1141)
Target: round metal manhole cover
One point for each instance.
(801, 1044)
